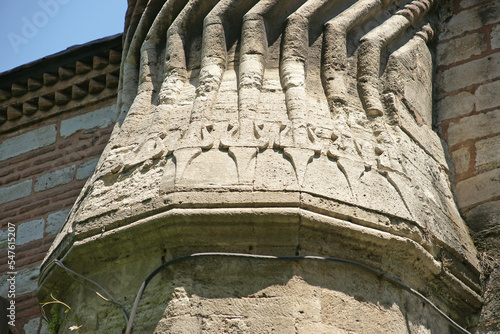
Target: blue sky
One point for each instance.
(32, 29)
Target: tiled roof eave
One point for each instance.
(78, 76)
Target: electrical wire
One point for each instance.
(110, 299)
(374, 271)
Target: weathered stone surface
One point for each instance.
(32, 326)
(479, 188)
(484, 216)
(44, 329)
(461, 48)
(99, 118)
(488, 322)
(470, 73)
(472, 19)
(234, 287)
(30, 231)
(495, 37)
(488, 153)
(473, 127)
(15, 191)
(26, 142)
(3, 239)
(26, 281)
(469, 3)
(413, 83)
(455, 106)
(461, 160)
(54, 179)
(280, 128)
(487, 96)
(55, 221)
(86, 169)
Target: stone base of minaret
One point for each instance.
(296, 137)
(257, 270)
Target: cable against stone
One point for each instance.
(109, 299)
(296, 257)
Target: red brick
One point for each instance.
(26, 300)
(23, 166)
(25, 247)
(28, 313)
(31, 154)
(10, 178)
(12, 206)
(28, 252)
(62, 144)
(69, 195)
(6, 171)
(48, 158)
(30, 206)
(48, 240)
(33, 171)
(14, 219)
(28, 262)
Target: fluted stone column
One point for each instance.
(277, 128)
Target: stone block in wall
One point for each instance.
(470, 73)
(470, 3)
(100, 118)
(478, 189)
(31, 327)
(15, 191)
(472, 19)
(44, 329)
(86, 169)
(54, 179)
(461, 48)
(457, 105)
(495, 37)
(460, 158)
(484, 216)
(474, 127)
(488, 153)
(26, 281)
(3, 239)
(28, 141)
(488, 96)
(55, 221)
(30, 231)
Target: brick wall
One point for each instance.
(46, 156)
(39, 182)
(468, 56)
(468, 89)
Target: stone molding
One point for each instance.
(322, 112)
(266, 230)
